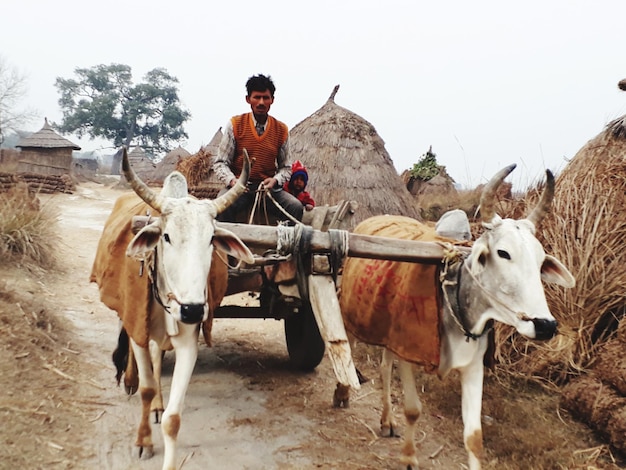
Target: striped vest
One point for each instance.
(263, 150)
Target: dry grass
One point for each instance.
(28, 232)
(586, 230)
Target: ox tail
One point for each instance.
(120, 355)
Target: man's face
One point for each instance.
(260, 102)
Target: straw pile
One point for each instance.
(586, 230)
(198, 171)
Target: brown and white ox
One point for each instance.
(383, 303)
(183, 283)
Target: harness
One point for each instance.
(153, 284)
(450, 277)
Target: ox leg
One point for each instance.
(131, 375)
(147, 390)
(412, 411)
(186, 347)
(472, 393)
(387, 421)
(156, 354)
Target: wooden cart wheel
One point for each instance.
(304, 343)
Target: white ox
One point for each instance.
(499, 280)
(183, 289)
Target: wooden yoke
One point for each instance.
(359, 246)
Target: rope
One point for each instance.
(297, 242)
(280, 208)
(338, 249)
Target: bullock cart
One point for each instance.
(296, 278)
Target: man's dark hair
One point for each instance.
(260, 83)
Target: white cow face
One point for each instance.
(509, 263)
(184, 238)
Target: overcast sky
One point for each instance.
(486, 83)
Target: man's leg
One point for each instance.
(241, 204)
(289, 203)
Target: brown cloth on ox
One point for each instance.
(395, 304)
(122, 288)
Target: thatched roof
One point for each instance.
(143, 166)
(46, 138)
(168, 164)
(212, 146)
(346, 160)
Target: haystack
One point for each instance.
(347, 160)
(168, 164)
(585, 229)
(198, 170)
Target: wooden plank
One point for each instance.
(359, 246)
(323, 298)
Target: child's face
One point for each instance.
(298, 183)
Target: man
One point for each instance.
(266, 140)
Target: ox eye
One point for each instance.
(166, 237)
(504, 254)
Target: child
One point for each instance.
(297, 183)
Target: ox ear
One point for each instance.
(553, 271)
(231, 244)
(478, 256)
(144, 242)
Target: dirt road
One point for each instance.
(246, 408)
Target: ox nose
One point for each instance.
(191, 313)
(544, 329)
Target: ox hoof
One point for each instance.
(145, 452)
(345, 403)
(409, 462)
(341, 397)
(389, 431)
(131, 384)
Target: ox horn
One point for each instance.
(141, 188)
(543, 206)
(225, 200)
(488, 196)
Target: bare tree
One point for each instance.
(12, 90)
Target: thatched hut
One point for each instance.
(212, 146)
(46, 153)
(347, 160)
(143, 166)
(168, 164)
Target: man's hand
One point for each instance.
(269, 183)
(232, 183)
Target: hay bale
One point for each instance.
(599, 406)
(197, 168)
(611, 365)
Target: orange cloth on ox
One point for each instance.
(395, 304)
(117, 275)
